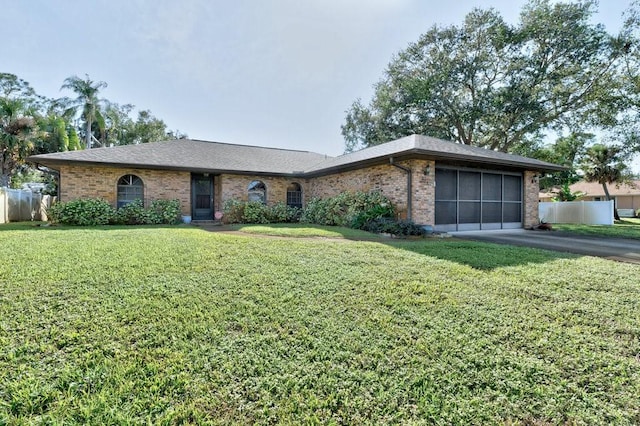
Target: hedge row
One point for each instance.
(370, 211)
(96, 211)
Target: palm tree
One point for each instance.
(17, 127)
(87, 101)
(604, 164)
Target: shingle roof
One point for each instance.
(194, 155)
(202, 156)
(595, 189)
(436, 149)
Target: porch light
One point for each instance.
(427, 170)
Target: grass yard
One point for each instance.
(625, 228)
(174, 325)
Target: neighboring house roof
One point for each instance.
(195, 155)
(594, 189)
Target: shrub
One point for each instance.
(402, 228)
(82, 212)
(233, 211)
(130, 214)
(282, 213)
(351, 209)
(164, 212)
(255, 212)
(236, 211)
(95, 211)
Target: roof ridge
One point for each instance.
(250, 146)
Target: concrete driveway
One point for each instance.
(623, 250)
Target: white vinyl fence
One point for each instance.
(17, 205)
(583, 212)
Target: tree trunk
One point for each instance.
(88, 135)
(606, 193)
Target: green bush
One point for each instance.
(96, 211)
(130, 214)
(236, 211)
(350, 209)
(82, 212)
(233, 211)
(164, 212)
(402, 228)
(255, 212)
(282, 213)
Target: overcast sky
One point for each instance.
(276, 73)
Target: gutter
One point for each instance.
(409, 186)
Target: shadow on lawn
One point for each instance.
(479, 255)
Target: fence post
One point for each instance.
(3, 206)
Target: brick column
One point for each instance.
(530, 202)
(424, 192)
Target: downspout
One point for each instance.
(409, 186)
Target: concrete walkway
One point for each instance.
(623, 250)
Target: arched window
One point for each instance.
(294, 195)
(258, 191)
(130, 188)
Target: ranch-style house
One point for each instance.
(445, 185)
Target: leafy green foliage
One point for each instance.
(88, 105)
(164, 212)
(96, 211)
(236, 211)
(347, 209)
(17, 128)
(181, 326)
(82, 212)
(565, 194)
(490, 84)
(394, 227)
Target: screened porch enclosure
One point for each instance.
(467, 200)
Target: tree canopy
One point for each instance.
(33, 124)
(605, 165)
(87, 102)
(491, 84)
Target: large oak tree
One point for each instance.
(490, 84)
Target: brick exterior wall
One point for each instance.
(390, 181)
(236, 187)
(102, 182)
(531, 194)
(85, 182)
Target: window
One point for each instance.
(130, 188)
(258, 191)
(294, 195)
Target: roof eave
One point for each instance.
(57, 163)
(435, 155)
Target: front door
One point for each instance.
(202, 197)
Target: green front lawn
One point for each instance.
(625, 228)
(302, 230)
(179, 325)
